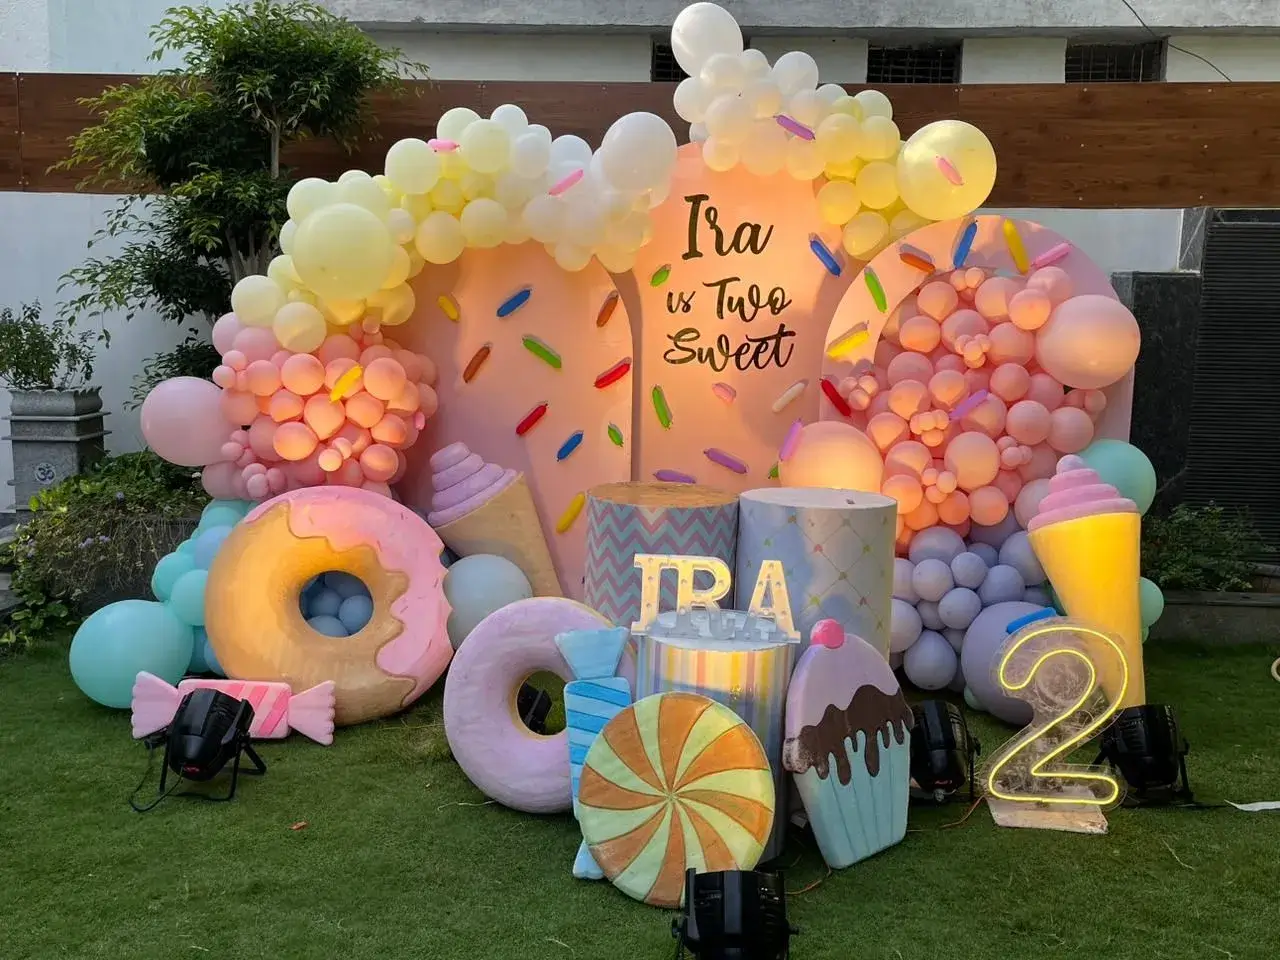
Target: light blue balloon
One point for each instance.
(476, 586)
(328, 626)
(198, 662)
(220, 513)
(324, 603)
(207, 544)
(187, 599)
(345, 585)
(1126, 468)
(185, 547)
(1150, 601)
(168, 569)
(211, 660)
(123, 639)
(355, 612)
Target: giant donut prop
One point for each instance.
(505, 759)
(256, 626)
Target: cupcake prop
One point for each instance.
(847, 745)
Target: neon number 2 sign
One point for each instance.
(1074, 678)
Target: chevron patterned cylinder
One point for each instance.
(624, 519)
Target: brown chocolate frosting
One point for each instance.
(871, 710)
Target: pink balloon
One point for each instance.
(1045, 390)
(1010, 382)
(338, 347)
(256, 343)
(294, 441)
(182, 421)
(1027, 422)
(886, 429)
(988, 417)
(236, 360)
(988, 506)
(1090, 341)
(258, 486)
(262, 435)
(219, 480)
(303, 374)
(262, 378)
(937, 299)
(384, 378)
(224, 376)
(1009, 483)
(909, 366)
(277, 480)
(391, 430)
(379, 488)
(922, 517)
(1054, 281)
(948, 388)
(1010, 345)
(379, 463)
(949, 361)
(885, 353)
(904, 488)
(354, 439)
(920, 334)
(365, 410)
(306, 473)
(954, 509)
(409, 399)
(323, 415)
(1029, 309)
(1027, 503)
(284, 405)
(962, 323)
(974, 458)
(908, 397)
(1044, 462)
(992, 298)
(402, 466)
(224, 332)
(375, 352)
(348, 474)
(909, 456)
(1071, 430)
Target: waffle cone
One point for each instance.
(507, 526)
(1093, 565)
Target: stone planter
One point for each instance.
(55, 434)
(1215, 619)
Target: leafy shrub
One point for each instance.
(1201, 548)
(94, 538)
(40, 356)
(194, 357)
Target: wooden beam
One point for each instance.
(1059, 145)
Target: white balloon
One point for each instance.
(530, 154)
(806, 107)
(719, 155)
(700, 31)
(755, 63)
(829, 93)
(541, 132)
(765, 152)
(764, 98)
(795, 71)
(698, 132)
(570, 149)
(453, 122)
(691, 99)
(658, 196)
(615, 260)
(723, 71)
(512, 190)
(544, 216)
(729, 119)
(571, 257)
(874, 104)
(511, 118)
(638, 152)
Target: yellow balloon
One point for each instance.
(439, 238)
(351, 175)
(719, 155)
(418, 205)
(879, 138)
(804, 159)
(399, 272)
(486, 146)
(309, 195)
(946, 170)
(401, 224)
(864, 233)
(343, 252)
(416, 262)
(839, 136)
(849, 106)
(287, 233)
(877, 184)
(453, 122)
(452, 166)
(343, 313)
(838, 202)
(299, 327)
(365, 193)
(904, 222)
(447, 196)
(571, 257)
(393, 307)
(484, 222)
(255, 300)
(475, 185)
(280, 269)
(842, 171)
(874, 104)
(412, 166)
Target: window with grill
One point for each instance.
(927, 64)
(1115, 63)
(662, 63)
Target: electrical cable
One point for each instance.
(1173, 46)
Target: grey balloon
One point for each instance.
(982, 644)
(930, 663)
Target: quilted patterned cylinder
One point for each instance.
(624, 519)
(836, 547)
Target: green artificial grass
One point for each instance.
(401, 857)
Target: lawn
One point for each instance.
(401, 857)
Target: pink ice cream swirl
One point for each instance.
(463, 482)
(1077, 491)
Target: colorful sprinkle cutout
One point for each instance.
(877, 291)
(794, 126)
(1051, 256)
(915, 257)
(449, 307)
(542, 351)
(789, 395)
(948, 170)
(606, 309)
(965, 244)
(476, 362)
(615, 435)
(848, 342)
(837, 401)
(614, 373)
(345, 383)
(673, 476)
(660, 275)
(773, 472)
(724, 392)
(967, 405)
(1013, 240)
(569, 445)
(823, 253)
(660, 407)
(514, 302)
(790, 441)
(531, 419)
(726, 460)
(563, 185)
(571, 513)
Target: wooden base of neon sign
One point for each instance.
(1074, 678)
(769, 598)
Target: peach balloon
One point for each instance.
(1044, 462)
(262, 434)
(922, 517)
(1010, 345)
(909, 366)
(306, 473)
(1095, 401)
(1029, 309)
(384, 378)
(330, 460)
(988, 506)
(262, 378)
(948, 388)
(1090, 341)
(908, 397)
(414, 368)
(303, 374)
(256, 343)
(988, 416)
(1010, 382)
(1054, 281)
(402, 464)
(375, 352)
(1028, 500)
(934, 495)
(235, 360)
(323, 415)
(920, 334)
(238, 407)
(284, 405)
(1009, 483)
(394, 431)
(974, 458)
(833, 454)
(408, 400)
(335, 370)
(973, 277)
(885, 352)
(280, 356)
(1027, 422)
(886, 429)
(365, 409)
(379, 463)
(949, 361)
(354, 439)
(295, 441)
(348, 474)
(277, 480)
(1070, 430)
(429, 401)
(430, 373)
(909, 456)
(224, 376)
(954, 509)
(338, 347)
(979, 379)
(992, 298)
(962, 323)
(1045, 390)
(937, 299)
(905, 489)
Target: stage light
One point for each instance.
(734, 915)
(943, 751)
(209, 730)
(1145, 745)
(533, 706)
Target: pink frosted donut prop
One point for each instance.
(256, 626)
(505, 759)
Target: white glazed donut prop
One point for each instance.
(505, 759)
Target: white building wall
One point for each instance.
(532, 57)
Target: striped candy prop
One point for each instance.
(674, 781)
(277, 710)
(595, 697)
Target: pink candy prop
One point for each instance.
(562, 185)
(276, 709)
(794, 126)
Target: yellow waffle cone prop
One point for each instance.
(1092, 563)
(507, 526)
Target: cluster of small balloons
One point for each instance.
(336, 604)
(770, 118)
(979, 384)
(274, 420)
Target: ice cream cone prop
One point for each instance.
(1087, 538)
(480, 508)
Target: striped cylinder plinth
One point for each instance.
(736, 659)
(624, 519)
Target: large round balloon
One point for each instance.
(182, 421)
(700, 31)
(121, 640)
(833, 454)
(478, 585)
(1125, 467)
(1090, 341)
(982, 644)
(946, 170)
